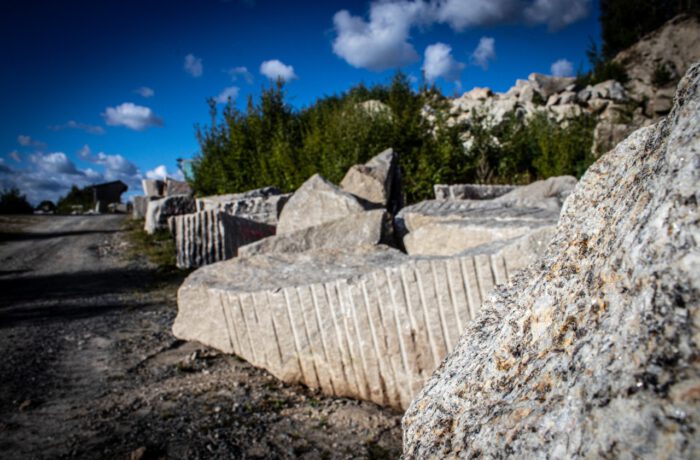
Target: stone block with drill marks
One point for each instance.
(205, 237)
(261, 205)
(364, 322)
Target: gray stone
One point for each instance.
(545, 194)
(361, 229)
(364, 322)
(592, 351)
(140, 206)
(451, 237)
(567, 97)
(470, 191)
(547, 85)
(158, 211)
(609, 89)
(153, 187)
(205, 237)
(584, 95)
(261, 205)
(378, 181)
(177, 187)
(318, 201)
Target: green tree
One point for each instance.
(12, 202)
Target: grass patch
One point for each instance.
(158, 248)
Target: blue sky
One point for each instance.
(96, 91)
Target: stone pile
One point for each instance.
(328, 303)
(470, 191)
(262, 205)
(593, 351)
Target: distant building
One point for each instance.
(105, 194)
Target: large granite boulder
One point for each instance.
(139, 206)
(261, 205)
(470, 191)
(367, 322)
(205, 237)
(455, 235)
(160, 210)
(177, 187)
(378, 181)
(361, 229)
(593, 351)
(318, 201)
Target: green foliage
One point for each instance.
(624, 22)
(661, 76)
(271, 144)
(11, 202)
(159, 248)
(602, 69)
(75, 197)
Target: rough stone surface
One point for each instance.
(177, 187)
(451, 237)
(261, 205)
(153, 187)
(140, 206)
(160, 210)
(593, 351)
(205, 237)
(318, 201)
(362, 229)
(470, 191)
(546, 194)
(378, 181)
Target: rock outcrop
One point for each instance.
(177, 187)
(153, 187)
(205, 237)
(365, 322)
(318, 201)
(160, 210)
(470, 191)
(378, 181)
(261, 205)
(361, 229)
(593, 351)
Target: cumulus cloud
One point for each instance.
(439, 63)
(557, 14)
(193, 65)
(72, 124)
(161, 172)
(230, 92)
(484, 52)
(132, 116)
(275, 70)
(145, 91)
(562, 68)
(240, 72)
(55, 163)
(383, 41)
(115, 166)
(27, 141)
(4, 169)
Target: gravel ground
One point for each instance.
(90, 368)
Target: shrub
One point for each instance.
(661, 76)
(12, 202)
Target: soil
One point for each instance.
(90, 368)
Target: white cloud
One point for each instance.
(15, 156)
(562, 68)
(27, 141)
(161, 172)
(72, 124)
(132, 116)
(4, 169)
(484, 52)
(193, 65)
(383, 41)
(115, 166)
(241, 72)
(557, 14)
(439, 63)
(55, 163)
(275, 69)
(145, 91)
(460, 14)
(227, 93)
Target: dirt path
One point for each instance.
(90, 369)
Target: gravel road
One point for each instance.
(90, 369)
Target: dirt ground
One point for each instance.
(90, 369)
